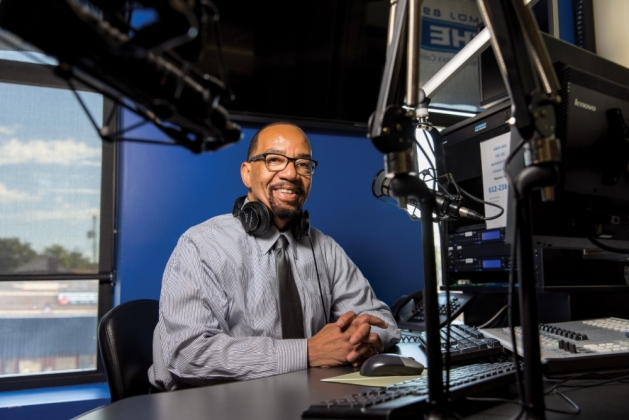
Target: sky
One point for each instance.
(50, 167)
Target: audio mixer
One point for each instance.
(576, 345)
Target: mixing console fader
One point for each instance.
(576, 345)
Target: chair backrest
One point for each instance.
(125, 339)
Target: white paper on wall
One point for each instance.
(493, 154)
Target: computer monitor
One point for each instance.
(593, 193)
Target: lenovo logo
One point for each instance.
(584, 105)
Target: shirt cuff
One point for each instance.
(389, 337)
(292, 355)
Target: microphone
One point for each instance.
(149, 71)
(445, 205)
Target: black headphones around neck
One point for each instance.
(257, 219)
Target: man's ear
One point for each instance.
(245, 174)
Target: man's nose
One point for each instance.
(290, 171)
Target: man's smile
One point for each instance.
(286, 193)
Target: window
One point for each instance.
(56, 225)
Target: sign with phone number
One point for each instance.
(499, 187)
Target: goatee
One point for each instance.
(280, 211)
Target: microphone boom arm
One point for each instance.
(107, 56)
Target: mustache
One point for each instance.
(286, 185)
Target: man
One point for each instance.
(221, 316)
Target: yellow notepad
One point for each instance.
(355, 378)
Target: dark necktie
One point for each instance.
(290, 304)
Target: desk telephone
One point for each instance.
(408, 310)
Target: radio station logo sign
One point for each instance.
(445, 36)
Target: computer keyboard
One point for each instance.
(576, 346)
(466, 343)
(405, 399)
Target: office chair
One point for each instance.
(125, 339)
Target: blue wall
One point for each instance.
(163, 190)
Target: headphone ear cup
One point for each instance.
(256, 218)
(237, 206)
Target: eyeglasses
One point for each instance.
(276, 163)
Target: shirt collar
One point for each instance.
(267, 241)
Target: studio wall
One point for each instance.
(163, 190)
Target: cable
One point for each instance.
(508, 162)
(514, 247)
(577, 409)
(604, 247)
(222, 64)
(478, 200)
(429, 138)
(448, 333)
(426, 156)
(583, 375)
(494, 317)
(458, 197)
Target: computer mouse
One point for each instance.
(389, 364)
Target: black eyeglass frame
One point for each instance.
(288, 160)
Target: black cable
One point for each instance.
(604, 247)
(478, 200)
(583, 375)
(450, 179)
(577, 409)
(514, 247)
(428, 138)
(458, 197)
(508, 162)
(426, 156)
(222, 66)
(448, 333)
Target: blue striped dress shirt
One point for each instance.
(219, 308)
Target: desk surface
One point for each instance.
(287, 396)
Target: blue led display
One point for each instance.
(491, 264)
(492, 234)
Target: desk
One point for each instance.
(286, 396)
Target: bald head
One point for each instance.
(255, 139)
